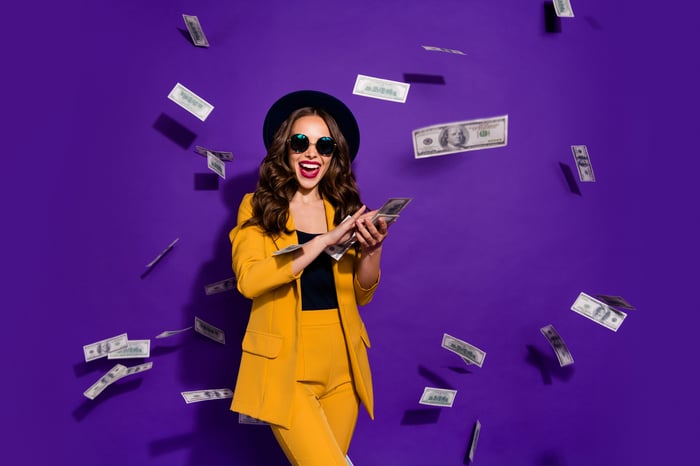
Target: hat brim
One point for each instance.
(281, 110)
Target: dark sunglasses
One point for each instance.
(300, 142)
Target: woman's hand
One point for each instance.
(344, 231)
(370, 235)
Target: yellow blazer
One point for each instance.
(267, 371)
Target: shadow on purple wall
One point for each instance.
(459, 370)
(552, 23)
(548, 366)
(186, 35)
(174, 130)
(217, 438)
(416, 417)
(550, 459)
(434, 379)
(206, 182)
(569, 177)
(115, 390)
(427, 415)
(423, 78)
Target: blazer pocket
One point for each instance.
(365, 336)
(267, 345)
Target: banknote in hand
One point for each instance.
(393, 206)
(389, 212)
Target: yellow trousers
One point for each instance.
(325, 405)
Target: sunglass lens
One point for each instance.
(299, 143)
(325, 145)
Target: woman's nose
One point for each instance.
(311, 150)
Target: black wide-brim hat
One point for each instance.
(342, 115)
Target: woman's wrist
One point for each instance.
(369, 252)
(322, 239)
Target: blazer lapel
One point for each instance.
(330, 214)
(330, 223)
(287, 239)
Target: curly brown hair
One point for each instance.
(277, 182)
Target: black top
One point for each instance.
(317, 284)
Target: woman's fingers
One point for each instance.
(382, 226)
(369, 235)
(344, 231)
(357, 214)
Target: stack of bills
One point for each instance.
(389, 212)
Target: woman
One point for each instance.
(304, 366)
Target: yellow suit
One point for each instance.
(269, 360)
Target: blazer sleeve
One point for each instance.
(364, 295)
(257, 270)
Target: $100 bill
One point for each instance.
(461, 136)
(438, 397)
(598, 312)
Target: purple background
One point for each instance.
(100, 175)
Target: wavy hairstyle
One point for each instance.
(277, 182)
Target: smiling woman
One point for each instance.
(306, 158)
(304, 367)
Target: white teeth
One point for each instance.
(308, 166)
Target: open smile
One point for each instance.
(309, 169)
